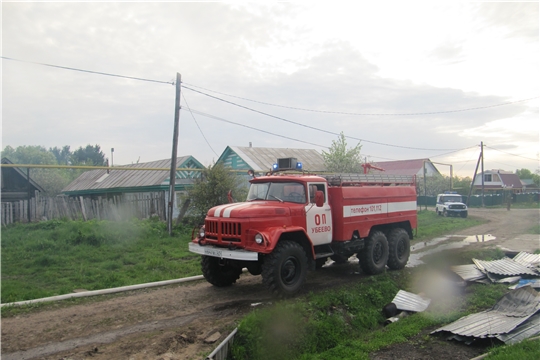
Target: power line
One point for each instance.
(455, 151)
(196, 123)
(90, 71)
(489, 147)
(363, 114)
(312, 127)
(253, 128)
(302, 141)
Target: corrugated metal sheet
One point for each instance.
(124, 178)
(410, 302)
(524, 331)
(262, 159)
(529, 260)
(512, 310)
(468, 272)
(504, 266)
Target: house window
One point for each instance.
(487, 177)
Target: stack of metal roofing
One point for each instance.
(515, 317)
(523, 269)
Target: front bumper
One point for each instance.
(223, 253)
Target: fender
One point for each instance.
(273, 234)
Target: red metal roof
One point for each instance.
(511, 180)
(402, 167)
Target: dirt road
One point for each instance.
(187, 321)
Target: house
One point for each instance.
(15, 184)
(260, 159)
(498, 181)
(407, 167)
(528, 184)
(102, 182)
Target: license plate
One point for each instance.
(212, 252)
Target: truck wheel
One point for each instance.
(445, 213)
(284, 271)
(374, 257)
(398, 248)
(218, 274)
(339, 259)
(463, 214)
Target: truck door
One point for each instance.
(318, 219)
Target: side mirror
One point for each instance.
(319, 198)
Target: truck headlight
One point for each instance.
(201, 232)
(259, 238)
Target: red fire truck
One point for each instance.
(292, 223)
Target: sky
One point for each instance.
(406, 80)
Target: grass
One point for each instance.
(56, 257)
(525, 350)
(431, 225)
(347, 323)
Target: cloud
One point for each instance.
(518, 19)
(269, 53)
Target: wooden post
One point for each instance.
(82, 208)
(474, 178)
(29, 192)
(482, 154)
(173, 157)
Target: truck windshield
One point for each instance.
(452, 198)
(277, 191)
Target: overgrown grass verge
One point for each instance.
(431, 225)
(56, 257)
(347, 323)
(525, 350)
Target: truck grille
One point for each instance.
(456, 206)
(223, 230)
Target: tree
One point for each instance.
(50, 179)
(212, 189)
(339, 158)
(90, 155)
(438, 184)
(33, 154)
(63, 156)
(528, 174)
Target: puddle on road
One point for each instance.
(443, 243)
(479, 238)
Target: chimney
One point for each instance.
(250, 144)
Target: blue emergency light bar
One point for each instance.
(287, 164)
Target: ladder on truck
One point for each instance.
(369, 179)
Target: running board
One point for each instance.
(323, 251)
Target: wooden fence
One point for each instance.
(127, 206)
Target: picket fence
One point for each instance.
(116, 208)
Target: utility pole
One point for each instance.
(425, 186)
(172, 176)
(482, 155)
(474, 177)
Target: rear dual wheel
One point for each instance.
(399, 246)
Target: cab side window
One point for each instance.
(313, 188)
